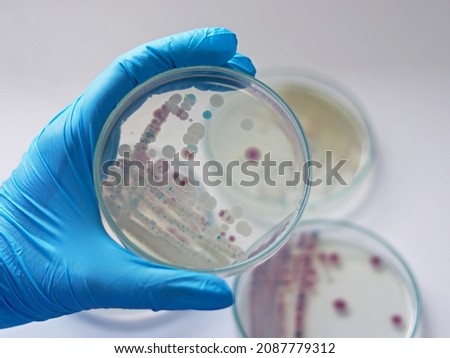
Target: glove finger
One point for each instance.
(241, 63)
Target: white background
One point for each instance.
(393, 54)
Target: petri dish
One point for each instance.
(167, 196)
(332, 279)
(338, 131)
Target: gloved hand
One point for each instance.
(55, 256)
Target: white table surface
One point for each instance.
(394, 55)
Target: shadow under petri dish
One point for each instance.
(332, 279)
(127, 319)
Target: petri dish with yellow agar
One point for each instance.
(167, 195)
(332, 279)
(338, 131)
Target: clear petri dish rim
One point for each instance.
(417, 318)
(339, 93)
(223, 76)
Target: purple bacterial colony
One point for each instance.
(253, 154)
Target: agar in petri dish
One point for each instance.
(337, 129)
(332, 279)
(167, 196)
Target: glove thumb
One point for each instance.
(122, 280)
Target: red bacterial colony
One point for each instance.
(375, 261)
(397, 320)
(340, 305)
(334, 258)
(253, 153)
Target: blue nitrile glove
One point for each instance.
(55, 256)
